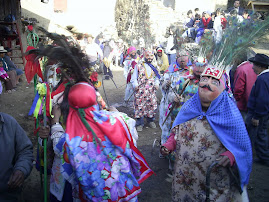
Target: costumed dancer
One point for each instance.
(101, 154)
(129, 63)
(145, 81)
(181, 69)
(60, 188)
(194, 74)
(208, 128)
(95, 156)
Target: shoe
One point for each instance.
(152, 125)
(139, 128)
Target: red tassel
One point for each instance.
(32, 66)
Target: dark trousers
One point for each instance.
(107, 71)
(259, 136)
(67, 196)
(140, 121)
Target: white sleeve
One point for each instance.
(126, 68)
(56, 132)
(134, 77)
(217, 24)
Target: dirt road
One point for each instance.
(156, 188)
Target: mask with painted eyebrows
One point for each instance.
(209, 89)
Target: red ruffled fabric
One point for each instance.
(32, 66)
(60, 89)
(129, 76)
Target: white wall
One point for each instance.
(36, 9)
(86, 15)
(91, 15)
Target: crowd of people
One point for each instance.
(208, 115)
(197, 23)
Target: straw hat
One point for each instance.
(2, 50)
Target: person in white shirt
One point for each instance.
(93, 50)
(170, 50)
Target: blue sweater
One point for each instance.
(258, 102)
(16, 153)
(190, 23)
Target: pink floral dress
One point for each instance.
(145, 102)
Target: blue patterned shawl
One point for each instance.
(227, 123)
(154, 69)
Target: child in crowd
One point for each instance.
(3, 73)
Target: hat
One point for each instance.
(148, 52)
(2, 50)
(159, 50)
(212, 72)
(8, 49)
(260, 59)
(200, 61)
(181, 53)
(131, 49)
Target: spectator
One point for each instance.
(3, 73)
(162, 61)
(245, 15)
(237, 7)
(121, 51)
(219, 24)
(258, 109)
(11, 65)
(107, 60)
(211, 22)
(188, 24)
(16, 156)
(81, 41)
(170, 51)
(244, 79)
(11, 83)
(202, 25)
(233, 13)
(99, 40)
(197, 24)
(189, 20)
(93, 50)
(196, 11)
